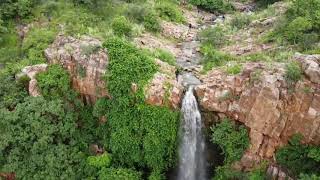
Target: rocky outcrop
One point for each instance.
(310, 65)
(276, 173)
(31, 72)
(261, 99)
(85, 60)
(164, 89)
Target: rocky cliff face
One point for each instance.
(164, 89)
(261, 99)
(85, 60)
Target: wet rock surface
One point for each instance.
(260, 98)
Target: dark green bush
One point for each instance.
(119, 174)
(143, 134)
(11, 92)
(240, 20)
(233, 140)
(151, 22)
(293, 72)
(100, 161)
(299, 158)
(213, 5)
(16, 8)
(214, 36)
(301, 25)
(213, 58)
(121, 26)
(169, 11)
(37, 141)
(54, 83)
(165, 56)
(36, 42)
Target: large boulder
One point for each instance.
(31, 72)
(164, 89)
(261, 99)
(86, 61)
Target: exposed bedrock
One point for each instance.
(260, 98)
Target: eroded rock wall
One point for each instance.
(262, 100)
(86, 61)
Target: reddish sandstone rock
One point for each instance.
(259, 97)
(86, 61)
(164, 89)
(31, 72)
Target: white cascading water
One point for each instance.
(191, 151)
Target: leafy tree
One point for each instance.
(54, 83)
(12, 92)
(169, 11)
(299, 158)
(232, 139)
(143, 134)
(121, 26)
(119, 174)
(16, 8)
(212, 5)
(36, 42)
(37, 142)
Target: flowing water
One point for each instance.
(192, 164)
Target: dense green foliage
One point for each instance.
(119, 174)
(212, 57)
(16, 8)
(169, 11)
(293, 72)
(144, 134)
(299, 158)
(152, 22)
(165, 56)
(301, 25)
(54, 83)
(213, 36)
(121, 26)
(213, 5)
(37, 141)
(232, 139)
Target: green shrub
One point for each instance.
(213, 58)
(11, 92)
(121, 26)
(169, 11)
(214, 36)
(151, 22)
(16, 8)
(293, 72)
(165, 56)
(234, 69)
(36, 42)
(301, 26)
(100, 161)
(226, 172)
(37, 141)
(54, 83)
(232, 139)
(137, 12)
(213, 5)
(143, 134)
(119, 174)
(156, 175)
(240, 20)
(297, 28)
(299, 158)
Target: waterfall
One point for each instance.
(191, 151)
